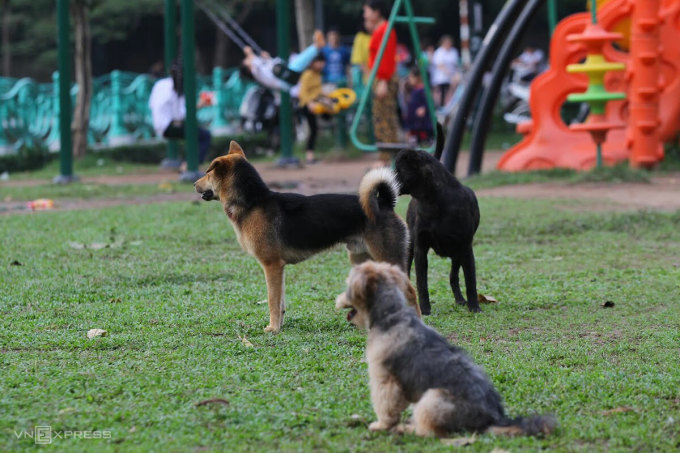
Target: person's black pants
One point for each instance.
(443, 89)
(176, 131)
(311, 120)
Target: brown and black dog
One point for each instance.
(286, 228)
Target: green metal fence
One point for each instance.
(29, 111)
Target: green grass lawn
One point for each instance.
(176, 295)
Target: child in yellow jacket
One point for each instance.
(311, 93)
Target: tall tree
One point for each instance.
(6, 49)
(304, 20)
(80, 10)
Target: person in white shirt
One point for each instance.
(445, 63)
(529, 64)
(168, 110)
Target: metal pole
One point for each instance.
(64, 63)
(189, 76)
(552, 15)
(285, 109)
(482, 119)
(496, 34)
(465, 57)
(170, 46)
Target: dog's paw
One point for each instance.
(378, 426)
(474, 309)
(425, 311)
(404, 428)
(461, 301)
(272, 329)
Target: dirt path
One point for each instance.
(663, 193)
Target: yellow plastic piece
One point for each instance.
(624, 26)
(345, 97)
(342, 98)
(595, 67)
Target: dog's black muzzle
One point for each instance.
(208, 195)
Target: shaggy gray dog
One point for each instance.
(410, 363)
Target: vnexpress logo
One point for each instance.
(44, 435)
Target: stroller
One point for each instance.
(259, 112)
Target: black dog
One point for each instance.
(443, 215)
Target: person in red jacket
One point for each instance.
(385, 120)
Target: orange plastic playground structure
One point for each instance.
(651, 81)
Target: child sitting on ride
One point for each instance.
(418, 121)
(273, 72)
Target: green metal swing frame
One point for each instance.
(411, 20)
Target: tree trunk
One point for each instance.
(83, 76)
(6, 51)
(222, 45)
(304, 20)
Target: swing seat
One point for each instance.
(281, 71)
(342, 99)
(393, 147)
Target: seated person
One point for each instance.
(529, 64)
(168, 110)
(274, 73)
(418, 122)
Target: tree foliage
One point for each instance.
(117, 25)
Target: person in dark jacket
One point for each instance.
(418, 122)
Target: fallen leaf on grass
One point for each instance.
(115, 300)
(15, 263)
(356, 420)
(93, 246)
(261, 302)
(166, 186)
(460, 441)
(246, 343)
(608, 304)
(617, 410)
(211, 401)
(486, 299)
(68, 410)
(96, 333)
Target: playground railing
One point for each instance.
(119, 111)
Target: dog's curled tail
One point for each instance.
(378, 190)
(539, 425)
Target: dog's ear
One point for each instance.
(235, 148)
(213, 165)
(363, 282)
(401, 281)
